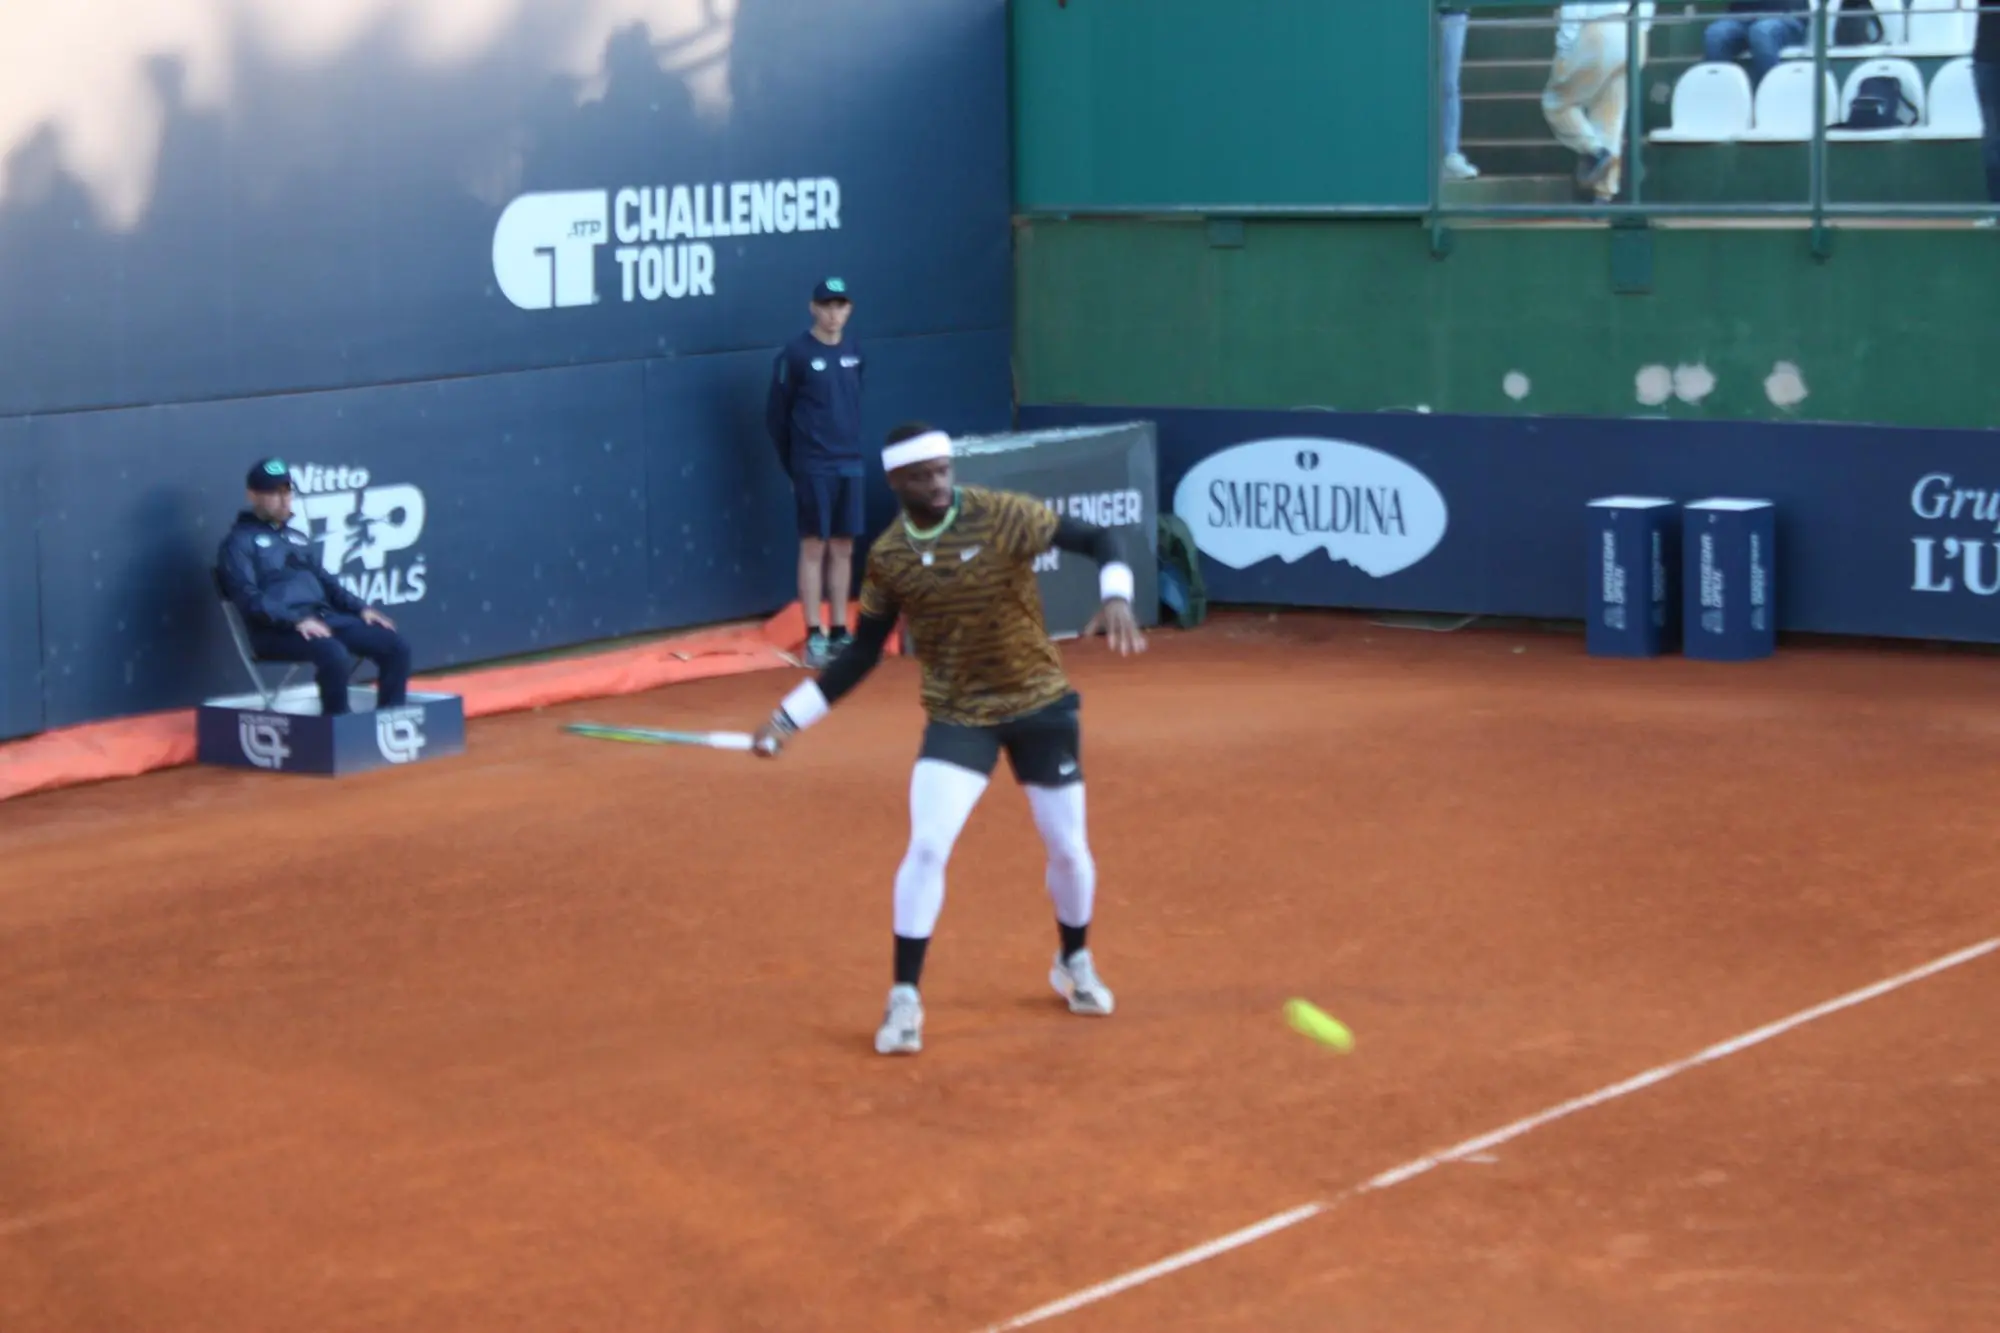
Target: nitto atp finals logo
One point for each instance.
(545, 245)
(366, 532)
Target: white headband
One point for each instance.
(919, 449)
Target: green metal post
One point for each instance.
(1822, 237)
(1635, 85)
(1433, 156)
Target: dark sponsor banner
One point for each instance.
(486, 517)
(1105, 475)
(1884, 531)
(192, 212)
(489, 517)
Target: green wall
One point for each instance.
(1897, 326)
(1129, 104)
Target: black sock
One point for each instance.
(1072, 939)
(909, 960)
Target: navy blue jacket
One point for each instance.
(273, 577)
(813, 409)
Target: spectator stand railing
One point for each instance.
(1817, 211)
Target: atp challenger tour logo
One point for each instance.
(1291, 495)
(366, 532)
(1970, 561)
(546, 245)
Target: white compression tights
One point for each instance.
(942, 797)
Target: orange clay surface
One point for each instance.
(572, 1035)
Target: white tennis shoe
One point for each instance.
(902, 1030)
(1077, 981)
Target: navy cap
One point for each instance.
(269, 474)
(831, 289)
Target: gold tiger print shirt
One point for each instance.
(974, 613)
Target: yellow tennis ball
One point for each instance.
(1321, 1026)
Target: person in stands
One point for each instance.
(1584, 100)
(1764, 28)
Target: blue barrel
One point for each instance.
(1634, 561)
(1729, 576)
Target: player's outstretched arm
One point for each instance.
(1114, 582)
(812, 700)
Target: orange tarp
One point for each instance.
(127, 747)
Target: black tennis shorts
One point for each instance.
(1044, 748)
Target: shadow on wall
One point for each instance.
(92, 70)
(220, 199)
(206, 203)
(227, 206)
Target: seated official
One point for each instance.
(297, 612)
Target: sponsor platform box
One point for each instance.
(1729, 572)
(237, 731)
(1634, 568)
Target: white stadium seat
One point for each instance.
(1953, 108)
(1895, 21)
(1939, 28)
(1784, 110)
(1894, 25)
(1711, 105)
(1904, 73)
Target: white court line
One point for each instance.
(1409, 1170)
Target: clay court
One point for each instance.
(565, 1034)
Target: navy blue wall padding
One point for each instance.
(323, 269)
(20, 591)
(334, 226)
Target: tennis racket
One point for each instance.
(713, 740)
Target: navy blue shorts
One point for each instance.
(830, 505)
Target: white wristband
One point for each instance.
(805, 705)
(1115, 581)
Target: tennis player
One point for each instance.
(958, 567)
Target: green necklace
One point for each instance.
(913, 534)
